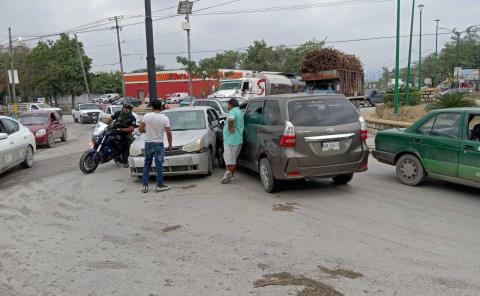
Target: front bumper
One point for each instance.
(385, 157)
(42, 140)
(89, 118)
(185, 164)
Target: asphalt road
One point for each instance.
(65, 233)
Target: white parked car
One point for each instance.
(17, 144)
(88, 112)
(112, 109)
(175, 98)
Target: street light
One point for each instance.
(185, 7)
(421, 6)
(436, 54)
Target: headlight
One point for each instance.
(135, 150)
(193, 147)
(41, 133)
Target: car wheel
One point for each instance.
(50, 141)
(368, 103)
(410, 170)
(220, 159)
(28, 162)
(342, 179)
(64, 137)
(75, 119)
(266, 176)
(210, 162)
(80, 120)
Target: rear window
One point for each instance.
(322, 112)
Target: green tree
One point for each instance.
(106, 82)
(44, 67)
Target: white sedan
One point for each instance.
(17, 144)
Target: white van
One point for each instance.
(175, 98)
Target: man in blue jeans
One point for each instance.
(154, 125)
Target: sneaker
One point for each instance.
(162, 188)
(145, 189)
(233, 179)
(227, 178)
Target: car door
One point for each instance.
(5, 150)
(251, 139)
(469, 166)
(16, 148)
(271, 131)
(213, 127)
(438, 141)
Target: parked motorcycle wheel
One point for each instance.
(88, 164)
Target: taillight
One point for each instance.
(288, 138)
(364, 129)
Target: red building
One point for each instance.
(168, 82)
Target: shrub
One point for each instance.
(415, 98)
(452, 100)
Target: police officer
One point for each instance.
(126, 124)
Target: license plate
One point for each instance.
(330, 146)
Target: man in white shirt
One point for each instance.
(154, 125)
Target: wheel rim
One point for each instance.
(50, 140)
(89, 163)
(265, 174)
(408, 170)
(29, 156)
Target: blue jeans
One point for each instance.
(153, 151)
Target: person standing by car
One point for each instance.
(126, 124)
(154, 125)
(232, 139)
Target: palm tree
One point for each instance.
(456, 99)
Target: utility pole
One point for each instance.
(8, 87)
(117, 27)
(409, 67)
(436, 80)
(87, 88)
(190, 86)
(152, 75)
(397, 60)
(14, 98)
(420, 83)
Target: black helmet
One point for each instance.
(128, 106)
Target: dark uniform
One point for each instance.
(125, 120)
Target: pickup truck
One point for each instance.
(88, 112)
(444, 144)
(29, 107)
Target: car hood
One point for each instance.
(35, 128)
(89, 110)
(224, 93)
(180, 138)
(51, 109)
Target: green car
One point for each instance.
(444, 144)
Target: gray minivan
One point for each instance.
(300, 136)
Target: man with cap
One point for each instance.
(232, 139)
(126, 124)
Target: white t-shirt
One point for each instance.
(155, 124)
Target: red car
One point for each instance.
(46, 126)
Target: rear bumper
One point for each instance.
(186, 164)
(330, 170)
(385, 157)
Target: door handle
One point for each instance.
(416, 140)
(469, 148)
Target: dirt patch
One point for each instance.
(288, 207)
(312, 287)
(341, 272)
(171, 228)
(191, 186)
(263, 266)
(409, 113)
(106, 265)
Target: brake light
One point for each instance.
(364, 129)
(364, 135)
(293, 174)
(288, 138)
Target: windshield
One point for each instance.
(186, 120)
(228, 85)
(33, 119)
(44, 106)
(322, 112)
(88, 107)
(115, 109)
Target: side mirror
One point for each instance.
(3, 136)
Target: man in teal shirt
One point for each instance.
(232, 139)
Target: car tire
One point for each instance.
(367, 103)
(64, 137)
(210, 162)
(28, 162)
(50, 141)
(410, 170)
(80, 120)
(266, 176)
(220, 159)
(75, 119)
(342, 179)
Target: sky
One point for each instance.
(343, 21)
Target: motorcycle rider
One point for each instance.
(127, 123)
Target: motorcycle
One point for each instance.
(105, 147)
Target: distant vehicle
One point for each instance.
(112, 109)
(29, 107)
(85, 113)
(132, 101)
(197, 134)
(47, 126)
(259, 85)
(300, 136)
(219, 104)
(107, 98)
(444, 144)
(454, 90)
(175, 98)
(17, 144)
(187, 101)
(373, 98)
